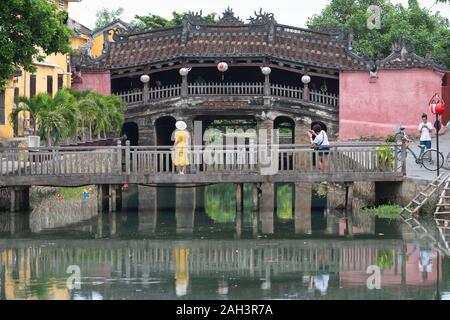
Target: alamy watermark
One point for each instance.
(374, 20)
(374, 280)
(74, 280)
(258, 148)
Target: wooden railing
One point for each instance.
(131, 96)
(234, 89)
(323, 98)
(295, 161)
(280, 90)
(228, 89)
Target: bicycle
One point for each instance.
(448, 160)
(426, 158)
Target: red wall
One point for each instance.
(97, 81)
(374, 109)
(446, 97)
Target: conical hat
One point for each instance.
(181, 125)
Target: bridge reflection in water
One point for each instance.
(151, 255)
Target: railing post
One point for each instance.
(305, 92)
(119, 157)
(184, 86)
(403, 158)
(266, 85)
(145, 93)
(127, 157)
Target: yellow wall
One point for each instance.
(78, 41)
(98, 43)
(53, 65)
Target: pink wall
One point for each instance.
(374, 109)
(97, 81)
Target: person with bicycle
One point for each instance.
(425, 129)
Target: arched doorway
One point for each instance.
(164, 129)
(286, 128)
(130, 131)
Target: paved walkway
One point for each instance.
(414, 171)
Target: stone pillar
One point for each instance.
(19, 198)
(147, 131)
(265, 124)
(302, 160)
(266, 208)
(148, 208)
(302, 208)
(102, 197)
(115, 197)
(255, 208)
(239, 208)
(185, 209)
(348, 208)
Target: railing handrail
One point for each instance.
(165, 147)
(229, 89)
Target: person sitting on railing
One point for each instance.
(319, 141)
(182, 141)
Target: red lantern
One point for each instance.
(222, 66)
(437, 105)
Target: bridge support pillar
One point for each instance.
(266, 209)
(302, 208)
(239, 208)
(19, 198)
(148, 206)
(348, 196)
(185, 209)
(115, 197)
(102, 197)
(349, 208)
(255, 208)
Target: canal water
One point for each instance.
(189, 243)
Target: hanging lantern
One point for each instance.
(437, 105)
(306, 79)
(222, 66)
(266, 71)
(145, 78)
(184, 71)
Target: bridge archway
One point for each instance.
(286, 125)
(164, 129)
(131, 131)
(223, 123)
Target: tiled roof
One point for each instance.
(403, 57)
(292, 44)
(230, 38)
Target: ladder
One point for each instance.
(442, 215)
(418, 201)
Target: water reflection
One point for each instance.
(298, 242)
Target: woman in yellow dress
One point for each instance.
(181, 152)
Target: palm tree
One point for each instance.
(32, 106)
(110, 116)
(57, 118)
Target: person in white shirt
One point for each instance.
(319, 140)
(425, 129)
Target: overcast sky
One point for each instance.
(288, 12)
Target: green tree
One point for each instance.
(29, 30)
(106, 16)
(55, 118)
(153, 21)
(427, 32)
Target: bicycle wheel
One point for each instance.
(429, 159)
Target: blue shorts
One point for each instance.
(427, 144)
